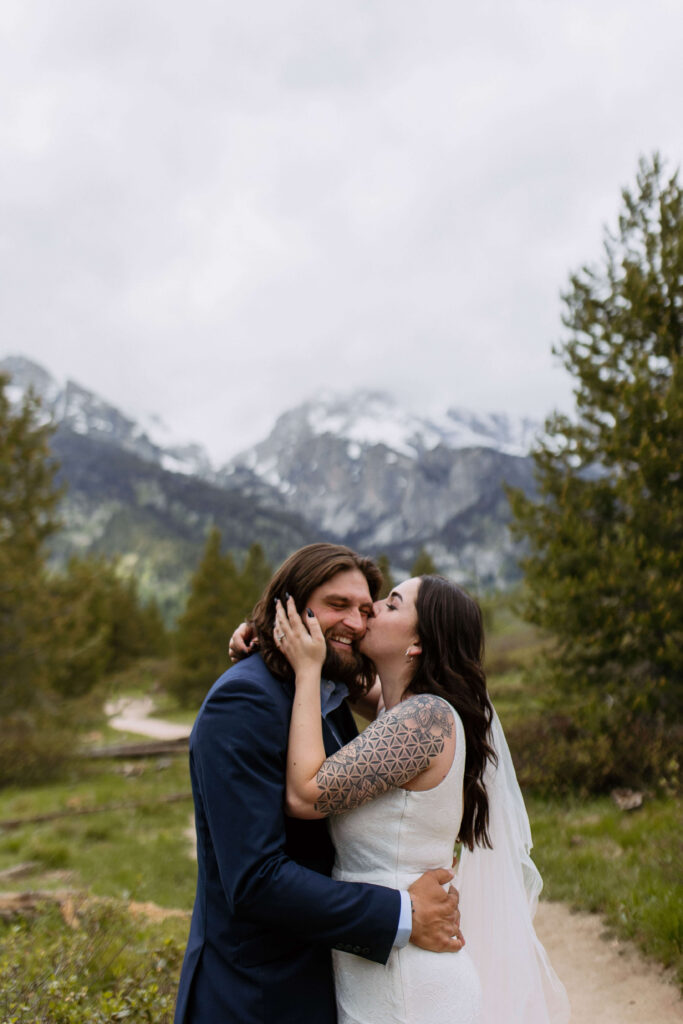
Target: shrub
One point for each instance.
(34, 748)
(98, 970)
(594, 751)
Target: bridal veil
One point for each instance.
(499, 891)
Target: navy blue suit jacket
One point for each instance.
(266, 911)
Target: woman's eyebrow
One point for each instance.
(395, 593)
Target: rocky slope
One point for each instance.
(74, 408)
(357, 468)
(386, 481)
(121, 499)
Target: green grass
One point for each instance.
(139, 853)
(624, 865)
(113, 966)
(513, 648)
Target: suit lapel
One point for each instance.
(342, 720)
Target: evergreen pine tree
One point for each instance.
(36, 737)
(58, 634)
(100, 625)
(424, 564)
(28, 502)
(605, 532)
(254, 577)
(214, 607)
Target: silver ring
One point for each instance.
(280, 637)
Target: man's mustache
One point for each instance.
(353, 645)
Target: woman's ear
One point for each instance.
(415, 650)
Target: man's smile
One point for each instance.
(341, 640)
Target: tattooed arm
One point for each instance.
(392, 751)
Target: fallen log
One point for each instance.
(149, 748)
(28, 867)
(73, 812)
(13, 903)
(71, 902)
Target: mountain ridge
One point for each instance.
(84, 412)
(356, 468)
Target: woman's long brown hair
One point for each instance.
(451, 632)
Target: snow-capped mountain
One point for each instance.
(367, 419)
(374, 417)
(122, 502)
(72, 406)
(384, 479)
(359, 468)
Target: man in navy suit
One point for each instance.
(266, 912)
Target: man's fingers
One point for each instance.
(440, 941)
(442, 875)
(242, 641)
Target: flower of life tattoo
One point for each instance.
(392, 751)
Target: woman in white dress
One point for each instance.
(433, 767)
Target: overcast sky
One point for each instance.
(213, 210)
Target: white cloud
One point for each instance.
(212, 211)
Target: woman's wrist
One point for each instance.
(308, 676)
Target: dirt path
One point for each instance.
(608, 981)
(130, 714)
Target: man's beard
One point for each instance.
(343, 669)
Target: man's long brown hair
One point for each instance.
(301, 574)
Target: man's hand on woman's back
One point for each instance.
(436, 917)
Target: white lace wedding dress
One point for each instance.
(392, 840)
